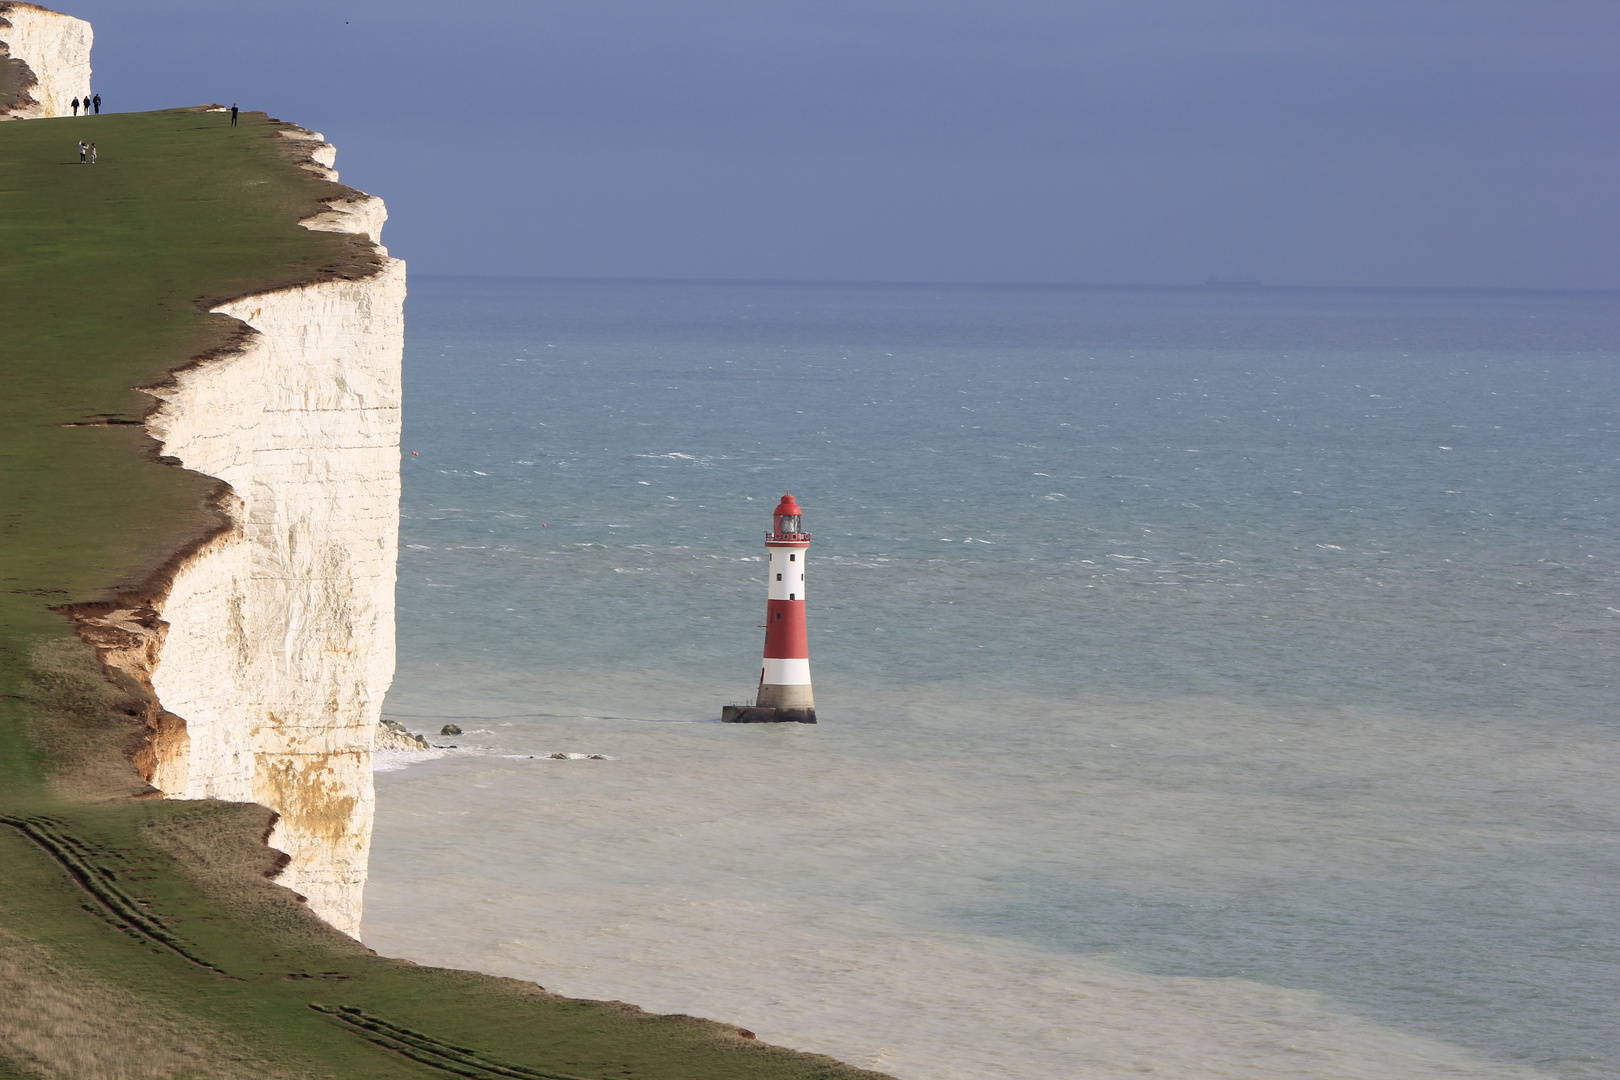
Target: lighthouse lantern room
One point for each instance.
(784, 675)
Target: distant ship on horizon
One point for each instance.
(1215, 281)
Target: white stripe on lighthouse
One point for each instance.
(795, 672)
(787, 575)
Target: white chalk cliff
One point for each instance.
(266, 652)
(56, 49)
(281, 633)
(270, 648)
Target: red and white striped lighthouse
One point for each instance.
(784, 677)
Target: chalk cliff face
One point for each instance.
(56, 49)
(266, 653)
(270, 653)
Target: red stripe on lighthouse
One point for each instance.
(785, 636)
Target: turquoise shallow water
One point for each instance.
(1201, 671)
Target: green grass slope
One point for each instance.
(139, 937)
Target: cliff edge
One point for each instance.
(269, 648)
(264, 651)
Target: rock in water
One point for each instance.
(450, 729)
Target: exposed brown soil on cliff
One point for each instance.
(16, 80)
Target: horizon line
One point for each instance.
(1201, 286)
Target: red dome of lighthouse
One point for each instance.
(785, 520)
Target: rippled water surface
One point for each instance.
(1212, 683)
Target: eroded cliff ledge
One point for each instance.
(267, 650)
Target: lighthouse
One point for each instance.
(784, 676)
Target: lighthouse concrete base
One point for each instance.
(755, 714)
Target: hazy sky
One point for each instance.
(1307, 142)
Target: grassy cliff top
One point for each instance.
(106, 272)
(138, 937)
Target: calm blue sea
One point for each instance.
(1212, 682)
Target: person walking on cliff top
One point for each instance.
(83, 150)
(75, 106)
(92, 153)
(97, 100)
(233, 114)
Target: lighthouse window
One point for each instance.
(790, 523)
(778, 614)
(793, 557)
(791, 596)
(778, 577)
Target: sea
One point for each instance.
(1212, 682)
